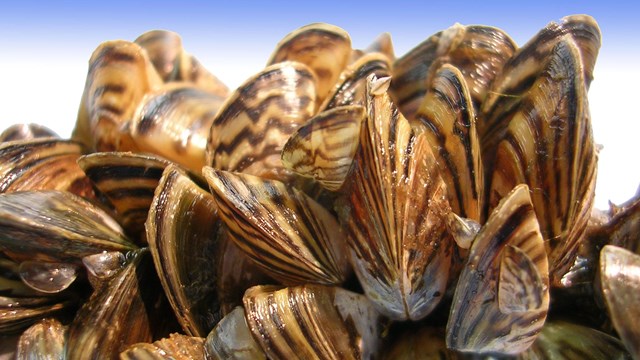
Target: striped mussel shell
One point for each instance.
(623, 229)
(324, 48)
(549, 146)
(350, 88)
(118, 314)
(174, 122)
(479, 52)
(448, 119)
(394, 207)
(517, 78)
(175, 347)
(502, 296)
(46, 337)
(128, 181)
(254, 123)
(324, 148)
(26, 132)
(55, 226)
(285, 232)
(174, 64)
(202, 272)
(313, 322)
(120, 74)
(43, 164)
(620, 284)
(232, 339)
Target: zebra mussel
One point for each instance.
(340, 203)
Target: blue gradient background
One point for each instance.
(45, 48)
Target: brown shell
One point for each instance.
(45, 338)
(502, 297)
(174, 122)
(26, 132)
(549, 146)
(290, 236)
(324, 48)
(43, 164)
(479, 52)
(255, 122)
(120, 74)
(175, 347)
(394, 208)
(312, 322)
(174, 64)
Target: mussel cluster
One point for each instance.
(339, 204)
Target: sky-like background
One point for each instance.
(45, 46)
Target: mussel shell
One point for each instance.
(478, 51)
(174, 122)
(232, 339)
(549, 146)
(120, 74)
(175, 347)
(352, 83)
(43, 164)
(128, 181)
(45, 339)
(56, 226)
(313, 322)
(18, 313)
(394, 208)
(449, 121)
(290, 236)
(519, 73)
(324, 48)
(324, 148)
(127, 310)
(174, 64)
(182, 231)
(502, 296)
(257, 119)
(620, 282)
(563, 340)
(26, 132)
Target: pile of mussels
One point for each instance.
(339, 204)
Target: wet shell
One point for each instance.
(502, 297)
(43, 164)
(174, 122)
(449, 121)
(128, 181)
(549, 146)
(174, 64)
(201, 271)
(56, 226)
(117, 314)
(620, 282)
(43, 340)
(519, 73)
(324, 148)
(120, 74)
(232, 339)
(26, 132)
(352, 83)
(479, 52)
(257, 119)
(312, 322)
(288, 234)
(176, 347)
(18, 313)
(324, 48)
(394, 208)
